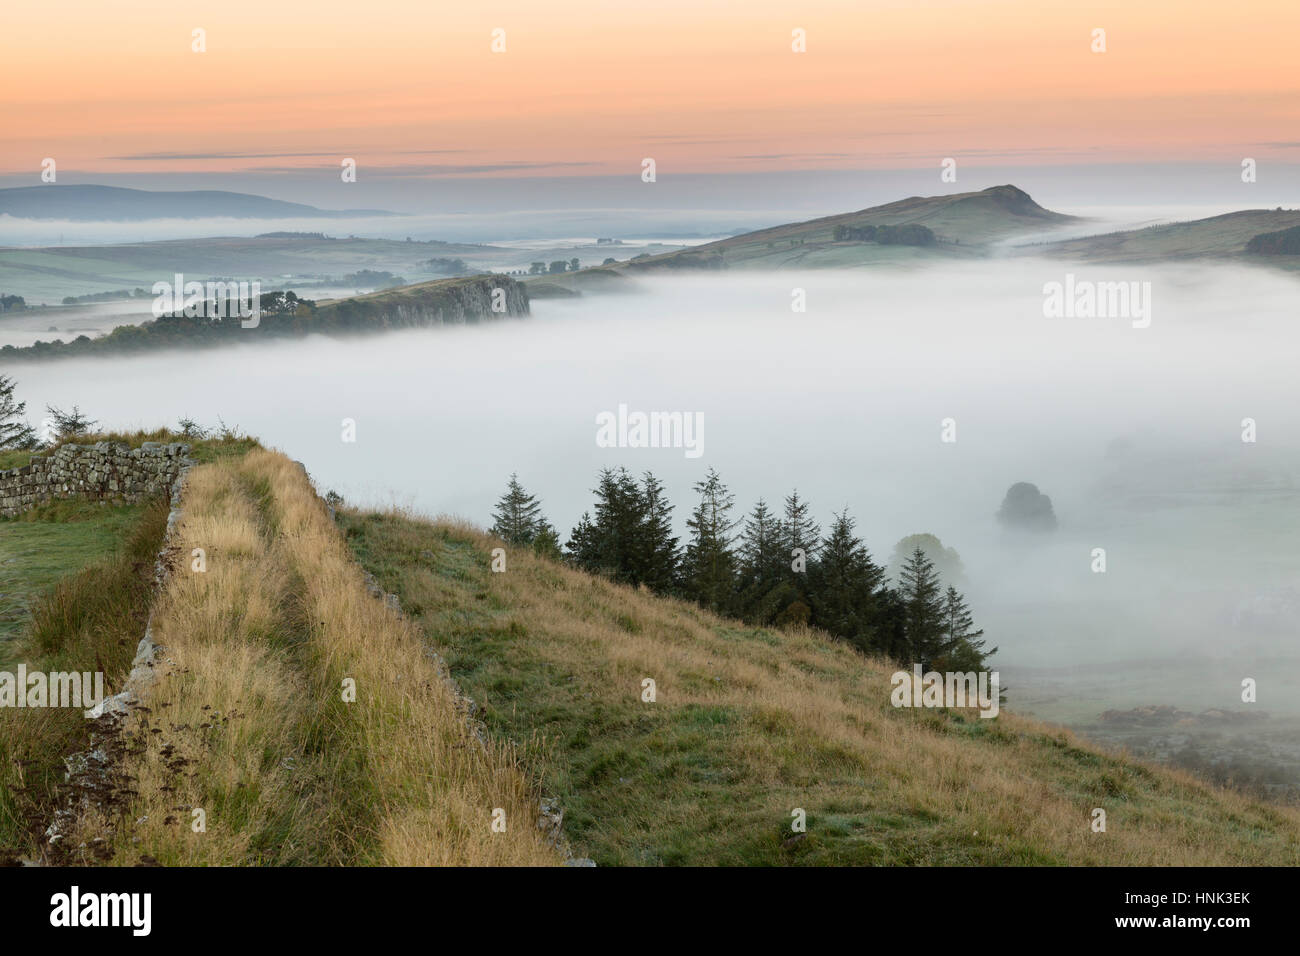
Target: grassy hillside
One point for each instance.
(964, 224)
(1219, 237)
(247, 718)
(752, 723)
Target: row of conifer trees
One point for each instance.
(768, 568)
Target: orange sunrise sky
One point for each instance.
(587, 87)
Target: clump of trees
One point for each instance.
(519, 521)
(111, 296)
(1283, 243)
(17, 433)
(770, 567)
(912, 234)
(372, 279)
(1025, 508)
(555, 268)
(443, 266)
(72, 424)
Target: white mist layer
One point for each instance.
(1135, 434)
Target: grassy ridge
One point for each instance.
(751, 724)
(248, 720)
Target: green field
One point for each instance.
(48, 275)
(42, 545)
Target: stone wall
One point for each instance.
(106, 471)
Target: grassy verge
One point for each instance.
(751, 724)
(88, 620)
(46, 543)
(249, 722)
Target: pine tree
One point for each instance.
(800, 538)
(604, 543)
(923, 603)
(15, 432)
(656, 553)
(517, 515)
(546, 540)
(582, 546)
(843, 585)
(889, 626)
(709, 564)
(73, 424)
(798, 529)
(761, 565)
(961, 648)
(630, 538)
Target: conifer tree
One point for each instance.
(961, 648)
(630, 537)
(843, 585)
(798, 529)
(546, 540)
(656, 553)
(517, 514)
(73, 424)
(923, 603)
(761, 564)
(605, 542)
(15, 432)
(889, 627)
(800, 537)
(709, 564)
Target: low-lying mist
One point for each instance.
(1134, 433)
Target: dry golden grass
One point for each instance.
(248, 722)
(750, 724)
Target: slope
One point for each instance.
(751, 724)
(1223, 236)
(963, 224)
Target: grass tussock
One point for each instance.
(249, 724)
(751, 724)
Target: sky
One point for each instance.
(412, 90)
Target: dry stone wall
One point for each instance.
(105, 471)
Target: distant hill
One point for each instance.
(1226, 236)
(115, 204)
(961, 225)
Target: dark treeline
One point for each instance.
(283, 314)
(1283, 243)
(770, 567)
(911, 234)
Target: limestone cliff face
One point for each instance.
(106, 471)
